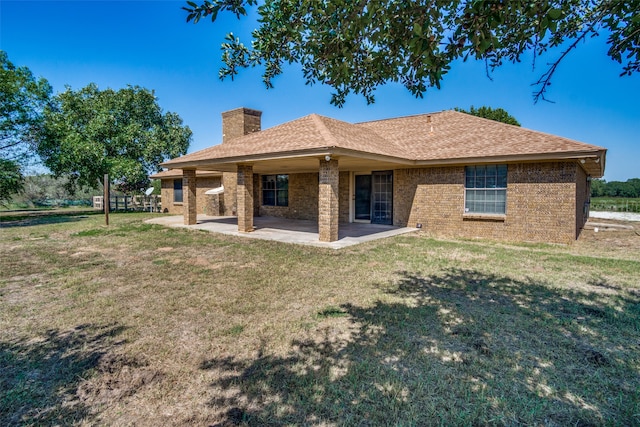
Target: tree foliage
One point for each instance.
(11, 180)
(497, 114)
(354, 46)
(602, 188)
(47, 190)
(124, 133)
(22, 101)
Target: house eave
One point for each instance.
(591, 161)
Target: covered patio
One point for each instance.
(301, 232)
(324, 155)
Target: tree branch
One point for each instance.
(13, 144)
(545, 79)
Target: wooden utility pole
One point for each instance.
(105, 199)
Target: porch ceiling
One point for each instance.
(304, 165)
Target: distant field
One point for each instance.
(136, 324)
(615, 204)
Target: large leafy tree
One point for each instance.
(355, 46)
(124, 133)
(497, 114)
(22, 101)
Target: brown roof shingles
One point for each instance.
(459, 135)
(296, 135)
(437, 136)
(309, 132)
(356, 138)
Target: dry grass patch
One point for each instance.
(139, 324)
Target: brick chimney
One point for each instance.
(239, 122)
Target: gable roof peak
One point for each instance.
(324, 131)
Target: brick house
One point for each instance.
(449, 173)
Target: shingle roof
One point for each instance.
(309, 132)
(460, 135)
(438, 136)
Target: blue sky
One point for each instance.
(148, 43)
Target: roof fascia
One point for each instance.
(568, 155)
(594, 155)
(312, 152)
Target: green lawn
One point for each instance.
(136, 324)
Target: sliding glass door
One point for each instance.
(373, 197)
(382, 197)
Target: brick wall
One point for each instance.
(433, 197)
(206, 204)
(343, 197)
(166, 194)
(189, 206)
(303, 198)
(328, 206)
(236, 123)
(583, 197)
(228, 199)
(545, 201)
(257, 183)
(541, 203)
(245, 198)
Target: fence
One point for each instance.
(61, 203)
(612, 205)
(151, 203)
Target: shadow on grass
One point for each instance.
(40, 377)
(460, 348)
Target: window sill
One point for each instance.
(484, 217)
(178, 203)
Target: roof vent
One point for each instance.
(429, 123)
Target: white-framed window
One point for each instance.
(177, 191)
(275, 190)
(485, 189)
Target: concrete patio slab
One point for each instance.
(301, 232)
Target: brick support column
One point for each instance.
(245, 198)
(229, 198)
(328, 200)
(189, 197)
